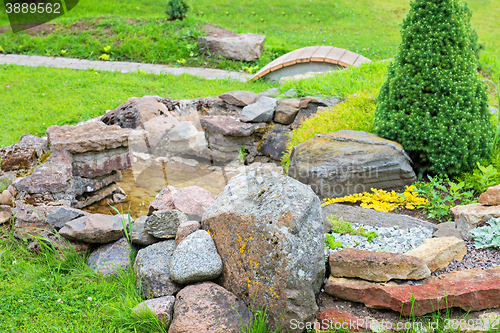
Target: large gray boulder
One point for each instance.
(195, 259)
(242, 47)
(151, 266)
(261, 111)
(346, 162)
(268, 229)
(111, 258)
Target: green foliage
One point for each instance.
(356, 114)
(344, 228)
(341, 83)
(433, 101)
(331, 242)
(487, 236)
(242, 153)
(176, 9)
(443, 194)
(90, 93)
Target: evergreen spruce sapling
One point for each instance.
(434, 102)
(176, 9)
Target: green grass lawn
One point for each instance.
(32, 99)
(41, 293)
(137, 30)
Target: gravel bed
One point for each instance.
(475, 258)
(391, 239)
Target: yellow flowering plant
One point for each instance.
(383, 201)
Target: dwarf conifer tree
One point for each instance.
(434, 103)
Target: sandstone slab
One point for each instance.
(151, 266)
(447, 229)
(111, 258)
(239, 97)
(491, 197)
(376, 266)
(140, 235)
(346, 162)
(226, 125)
(470, 290)
(437, 253)
(49, 182)
(268, 229)
(208, 307)
(95, 164)
(95, 228)
(193, 201)
(286, 111)
(195, 259)
(185, 229)
(164, 223)
(163, 201)
(474, 215)
(92, 136)
(334, 318)
(162, 307)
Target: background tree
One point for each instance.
(434, 103)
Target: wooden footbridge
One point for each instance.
(323, 57)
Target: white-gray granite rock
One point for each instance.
(195, 259)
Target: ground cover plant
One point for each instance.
(140, 30)
(71, 96)
(356, 113)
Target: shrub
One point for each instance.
(433, 101)
(356, 114)
(176, 9)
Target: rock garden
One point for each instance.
(227, 222)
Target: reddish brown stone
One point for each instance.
(93, 136)
(163, 201)
(376, 266)
(332, 318)
(238, 97)
(470, 290)
(491, 197)
(193, 201)
(185, 229)
(207, 307)
(23, 155)
(226, 126)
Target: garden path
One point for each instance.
(122, 66)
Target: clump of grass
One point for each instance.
(345, 228)
(341, 83)
(356, 113)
